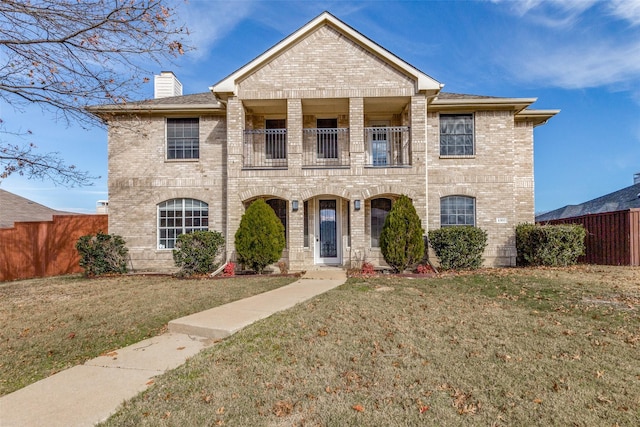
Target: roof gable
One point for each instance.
(421, 81)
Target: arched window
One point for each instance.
(180, 216)
(379, 210)
(457, 210)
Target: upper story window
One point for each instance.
(380, 208)
(275, 138)
(183, 138)
(456, 135)
(457, 210)
(180, 216)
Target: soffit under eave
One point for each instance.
(229, 85)
(106, 112)
(470, 104)
(538, 117)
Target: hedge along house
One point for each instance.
(329, 128)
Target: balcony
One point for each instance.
(325, 148)
(388, 146)
(265, 149)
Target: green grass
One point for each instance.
(55, 323)
(497, 347)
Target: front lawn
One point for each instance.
(496, 347)
(54, 323)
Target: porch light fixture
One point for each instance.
(356, 205)
(294, 205)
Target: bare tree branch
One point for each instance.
(65, 55)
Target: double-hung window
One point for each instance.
(456, 135)
(180, 216)
(457, 210)
(183, 138)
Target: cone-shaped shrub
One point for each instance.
(260, 237)
(401, 241)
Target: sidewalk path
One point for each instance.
(87, 394)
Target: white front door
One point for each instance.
(328, 236)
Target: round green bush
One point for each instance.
(102, 254)
(459, 247)
(197, 252)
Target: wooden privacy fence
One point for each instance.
(613, 238)
(45, 248)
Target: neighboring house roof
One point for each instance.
(424, 82)
(627, 198)
(14, 208)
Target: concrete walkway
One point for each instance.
(87, 394)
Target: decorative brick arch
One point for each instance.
(387, 190)
(181, 194)
(457, 190)
(334, 190)
(266, 191)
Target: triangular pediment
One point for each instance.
(326, 54)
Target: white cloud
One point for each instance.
(210, 21)
(576, 44)
(629, 10)
(550, 13)
(575, 65)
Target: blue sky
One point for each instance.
(582, 57)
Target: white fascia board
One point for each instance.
(424, 82)
(163, 107)
(517, 104)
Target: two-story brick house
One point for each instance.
(329, 128)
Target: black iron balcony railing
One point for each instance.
(325, 147)
(388, 146)
(265, 148)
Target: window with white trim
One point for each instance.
(183, 138)
(457, 210)
(380, 208)
(456, 135)
(180, 216)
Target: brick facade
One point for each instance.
(324, 71)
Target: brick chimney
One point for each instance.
(166, 84)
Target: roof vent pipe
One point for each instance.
(166, 85)
(636, 178)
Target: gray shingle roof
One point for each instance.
(627, 198)
(204, 98)
(14, 208)
(451, 95)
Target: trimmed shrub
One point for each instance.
(260, 237)
(197, 252)
(459, 247)
(401, 241)
(549, 245)
(102, 254)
